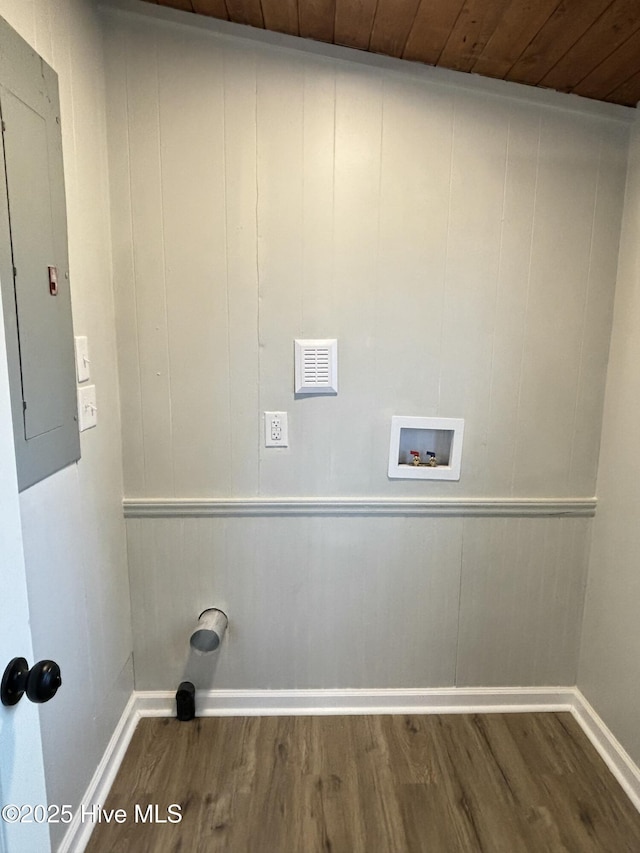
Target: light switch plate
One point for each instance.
(82, 358)
(87, 407)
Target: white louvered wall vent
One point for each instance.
(316, 366)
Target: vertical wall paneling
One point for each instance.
(318, 297)
(191, 127)
(461, 246)
(163, 549)
(603, 264)
(366, 602)
(479, 157)
(149, 258)
(240, 85)
(446, 247)
(562, 233)
(518, 575)
(414, 199)
(611, 639)
(279, 179)
(358, 133)
(124, 269)
(312, 601)
(513, 288)
(315, 425)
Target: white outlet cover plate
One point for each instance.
(87, 407)
(269, 440)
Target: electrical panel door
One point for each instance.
(34, 270)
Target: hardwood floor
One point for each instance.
(496, 783)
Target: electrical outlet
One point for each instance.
(276, 429)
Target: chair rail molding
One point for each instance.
(340, 506)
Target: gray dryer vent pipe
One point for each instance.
(209, 631)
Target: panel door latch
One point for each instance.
(53, 281)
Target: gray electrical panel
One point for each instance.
(34, 265)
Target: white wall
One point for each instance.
(461, 243)
(72, 523)
(360, 602)
(461, 246)
(611, 639)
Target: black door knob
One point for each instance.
(40, 683)
(43, 681)
(14, 681)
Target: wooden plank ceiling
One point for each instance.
(588, 47)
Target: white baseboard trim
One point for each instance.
(446, 700)
(79, 831)
(609, 748)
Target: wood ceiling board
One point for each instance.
(607, 33)
(472, 30)
(392, 25)
(563, 29)
(212, 8)
(431, 28)
(613, 71)
(353, 22)
(184, 5)
(245, 12)
(281, 16)
(628, 93)
(517, 28)
(316, 19)
(585, 46)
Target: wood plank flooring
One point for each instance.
(500, 783)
